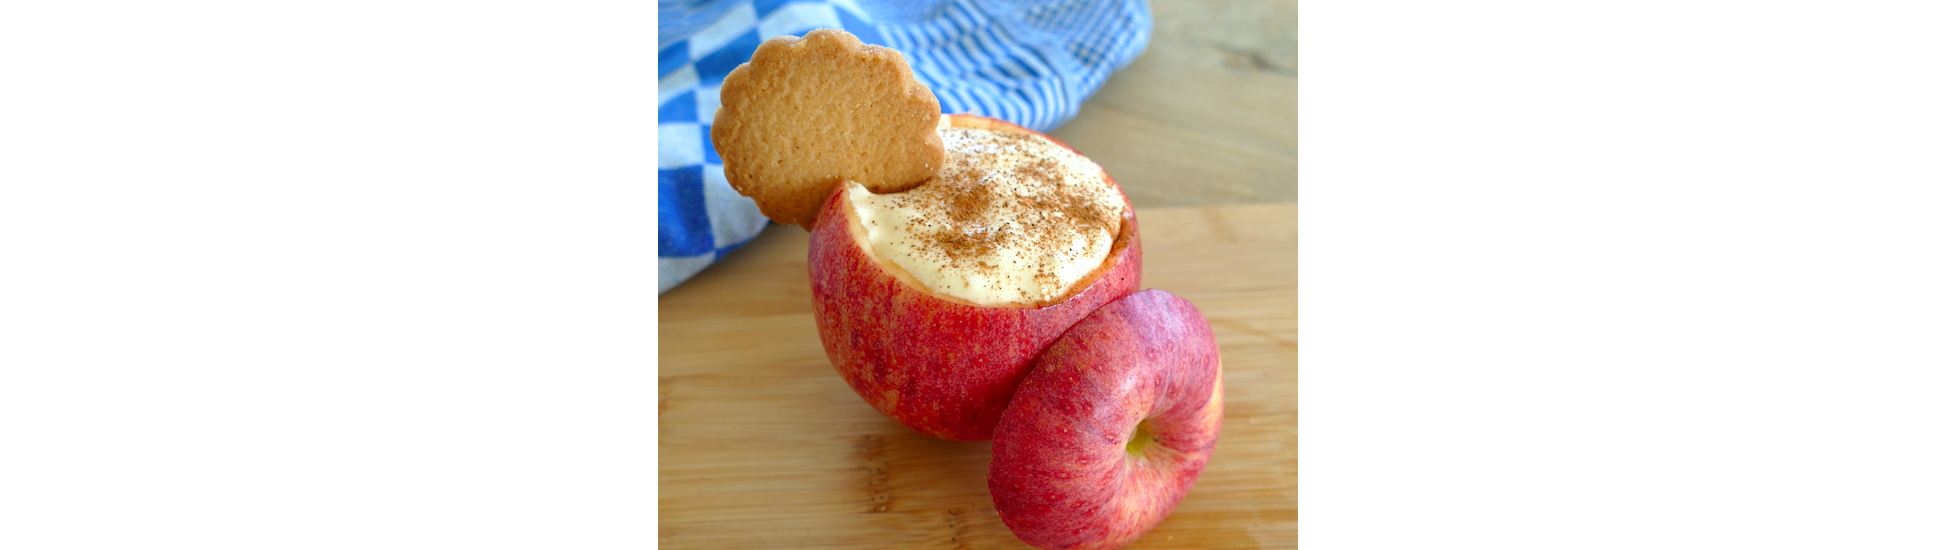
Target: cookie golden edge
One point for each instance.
(751, 140)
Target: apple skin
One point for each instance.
(1062, 472)
(938, 365)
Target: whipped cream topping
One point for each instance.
(1011, 220)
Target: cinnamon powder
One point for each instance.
(1010, 190)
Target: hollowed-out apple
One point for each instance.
(942, 365)
(1112, 427)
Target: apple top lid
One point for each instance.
(1112, 426)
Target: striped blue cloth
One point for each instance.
(1028, 62)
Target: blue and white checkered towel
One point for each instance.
(1028, 62)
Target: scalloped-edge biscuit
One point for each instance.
(806, 113)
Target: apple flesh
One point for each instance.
(1112, 427)
(937, 364)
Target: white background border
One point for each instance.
(381, 274)
(327, 275)
(1628, 275)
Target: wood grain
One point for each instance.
(1208, 114)
(761, 444)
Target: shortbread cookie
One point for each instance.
(806, 113)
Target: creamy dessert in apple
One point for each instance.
(933, 301)
(945, 251)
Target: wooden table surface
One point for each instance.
(1208, 114)
(762, 445)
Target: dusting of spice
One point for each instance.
(1010, 219)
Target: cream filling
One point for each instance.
(1011, 220)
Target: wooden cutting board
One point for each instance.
(762, 445)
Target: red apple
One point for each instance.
(938, 364)
(1112, 427)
